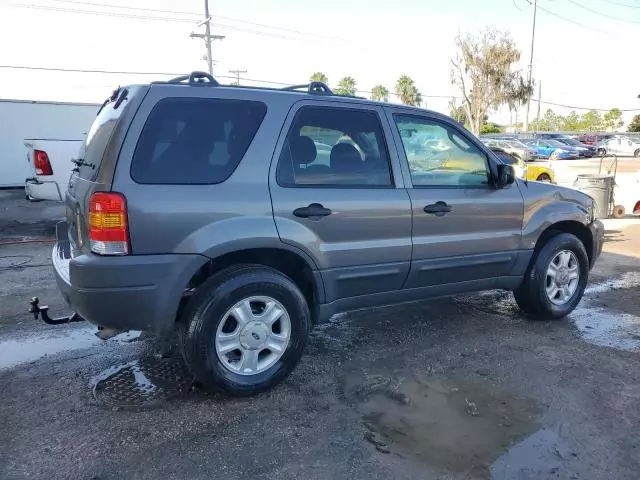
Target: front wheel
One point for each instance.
(244, 330)
(556, 278)
(637, 153)
(601, 151)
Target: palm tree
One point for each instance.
(380, 93)
(407, 91)
(319, 77)
(346, 86)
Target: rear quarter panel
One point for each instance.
(204, 219)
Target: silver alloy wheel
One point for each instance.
(253, 335)
(563, 277)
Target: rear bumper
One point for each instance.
(129, 292)
(597, 233)
(44, 190)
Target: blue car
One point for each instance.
(552, 149)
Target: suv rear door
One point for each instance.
(338, 194)
(466, 233)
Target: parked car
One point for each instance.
(592, 139)
(202, 208)
(583, 150)
(512, 146)
(50, 162)
(530, 171)
(625, 146)
(552, 149)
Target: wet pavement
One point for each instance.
(458, 388)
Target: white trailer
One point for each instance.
(28, 119)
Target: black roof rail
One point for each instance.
(197, 78)
(318, 88)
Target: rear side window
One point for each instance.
(195, 141)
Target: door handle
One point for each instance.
(313, 210)
(438, 209)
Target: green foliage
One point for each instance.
(457, 112)
(408, 92)
(319, 77)
(634, 126)
(380, 93)
(346, 86)
(613, 119)
(490, 128)
(590, 121)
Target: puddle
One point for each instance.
(608, 329)
(626, 280)
(19, 350)
(141, 383)
(540, 455)
(459, 425)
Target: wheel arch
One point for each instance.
(576, 228)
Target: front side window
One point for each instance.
(442, 156)
(195, 141)
(334, 147)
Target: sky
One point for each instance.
(585, 52)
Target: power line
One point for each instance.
(569, 20)
(182, 12)
(103, 14)
(621, 4)
(267, 82)
(604, 15)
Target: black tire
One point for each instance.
(543, 177)
(205, 311)
(601, 151)
(531, 295)
(636, 153)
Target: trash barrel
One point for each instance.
(598, 187)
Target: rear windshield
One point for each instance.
(98, 137)
(195, 141)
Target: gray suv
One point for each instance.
(239, 217)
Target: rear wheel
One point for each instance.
(556, 278)
(244, 330)
(601, 151)
(554, 156)
(543, 177)
(636, 153)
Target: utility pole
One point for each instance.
(208, 38)
(237, 73)
(539, 95)
(533, 36)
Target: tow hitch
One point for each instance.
(43, 311)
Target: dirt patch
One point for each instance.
(460, 425)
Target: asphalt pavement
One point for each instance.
(457, 388)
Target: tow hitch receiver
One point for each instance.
(43, 311)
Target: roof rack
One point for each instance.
(317, 88)
(197, 78)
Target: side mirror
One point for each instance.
(506, 175)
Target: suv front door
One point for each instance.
(338, 194)
(466, 233)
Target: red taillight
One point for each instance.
(108, 224)
(41, 162)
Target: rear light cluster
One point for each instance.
(42, 163)
(108, 224)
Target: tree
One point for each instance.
(591, 121)
(408, 92)
(457, 112)
(482, 72)
(380, 93)
(346, 86)
(571, 122)
(319, 77)
(550, 121)
(634, 126)
(517, 92)
(613, 119)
